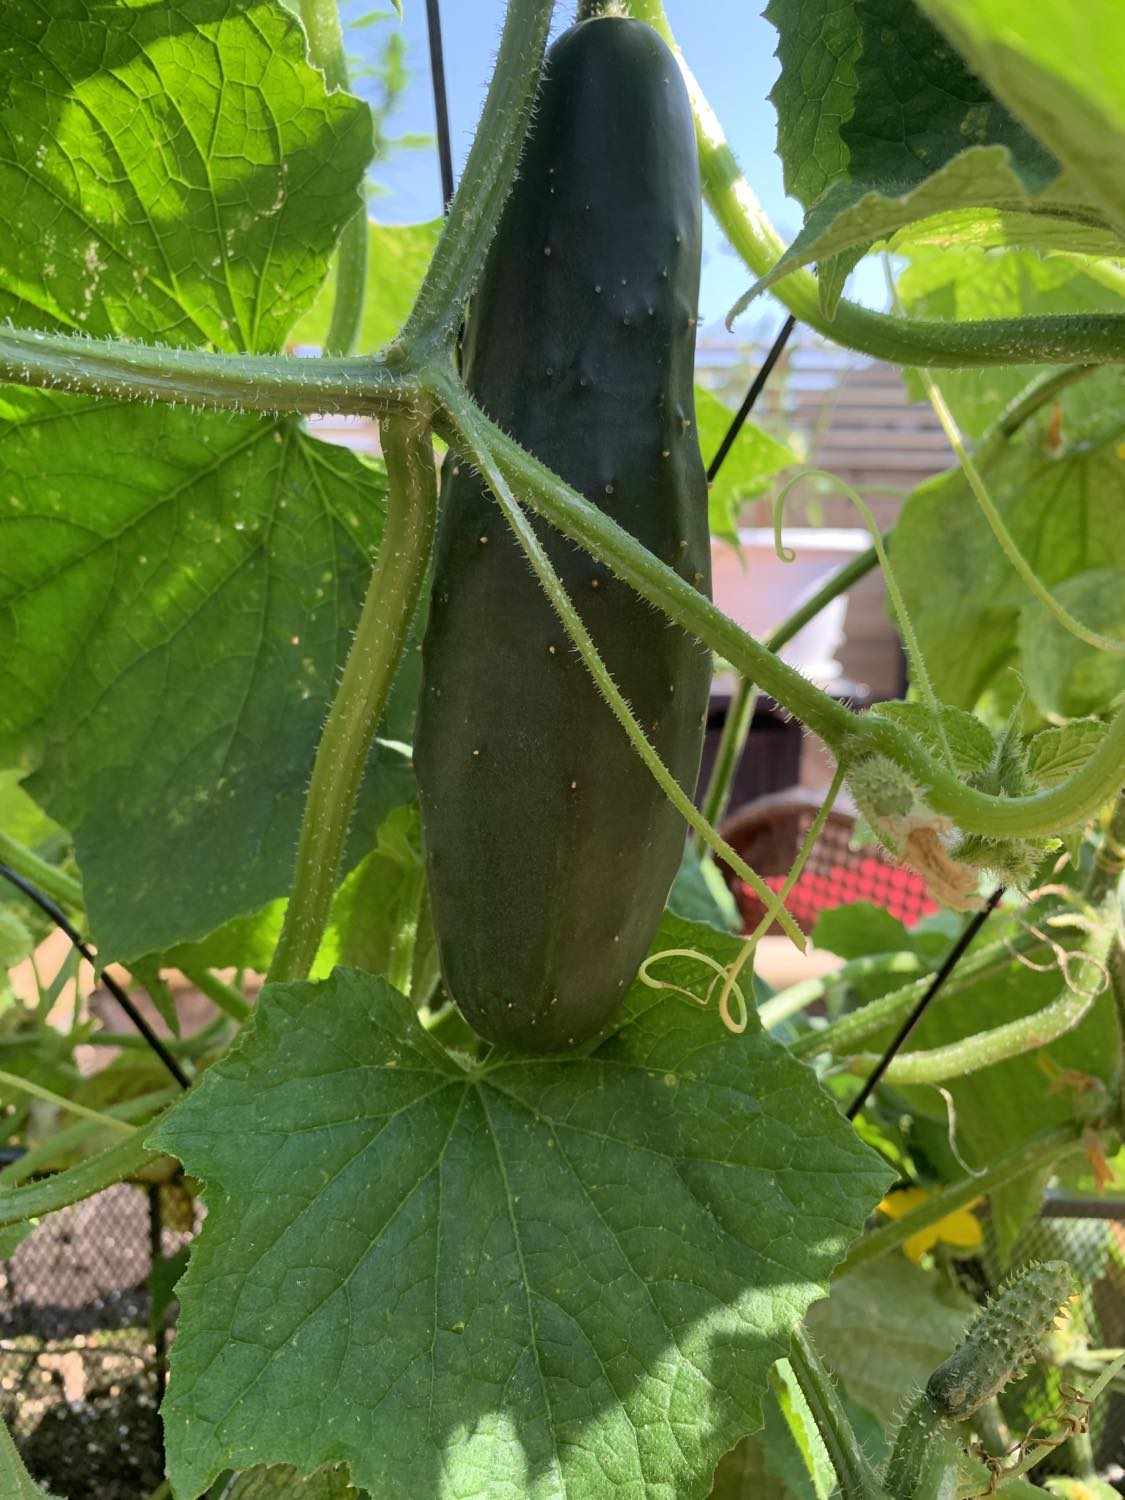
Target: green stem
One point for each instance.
(1038, 1153)
(120, 371)
(321, 20)
(87, 1177)
(728, 756)
(848, 735)
(469, 425)
(351, 285)
(46, 1156)
(224, 995)
(1097, 338)
(47, 877)
(854, 1473)
(69, 1106)
(843, 1036)
(388, 609)
(326, 49)
(740, 714)
(486, 180)
(798, 997)
(983, 1048)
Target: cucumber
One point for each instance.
(550, 849)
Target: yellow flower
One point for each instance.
(961, 1228)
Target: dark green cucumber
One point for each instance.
(550, 848)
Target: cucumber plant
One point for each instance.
(543, 1223)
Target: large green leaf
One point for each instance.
(173, 172)
(885, 1328)
(171, 630)
(881, 123)
(540, 1276)
(1057, 66)
(178, 590)
(397, 257)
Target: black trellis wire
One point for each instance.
(757, 386)
(441, 99)
(60, 919)
(949, 963)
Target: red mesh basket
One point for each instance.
(768, 832)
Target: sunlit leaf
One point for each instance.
(556, 1273)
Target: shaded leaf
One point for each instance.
(559, 1273)
(1056, 753)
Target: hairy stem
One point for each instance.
(48, 878)
(121, 371)
(1097, 338)
(983, 1048)
(854, 1473)
(68, 1106)
(848, 735)
(392, 597)
(843, 1036)
(1038, 1153)
(486, 180)
(89, 1176)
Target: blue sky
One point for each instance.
(730, 48)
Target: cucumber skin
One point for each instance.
(550, 849)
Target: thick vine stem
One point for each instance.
(851, 737)
(52, 881)
(1038, 1153)
(854, 1474)
(486, 180)
(121, 371)
(388, 609)
(1096, 338)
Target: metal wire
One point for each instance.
(949, 963)
(60, 919)
(441, 100)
